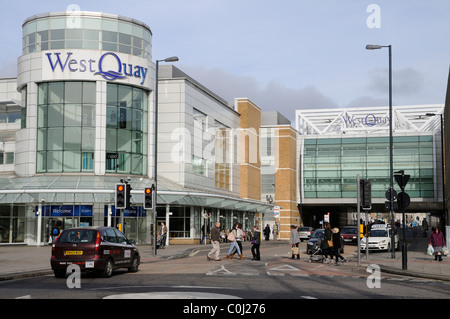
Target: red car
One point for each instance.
(349, 234)
(100, 249)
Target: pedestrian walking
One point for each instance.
(275, 231)
(337, 245)
(205, 232)
(232, 239)
(295, 240)
(256, 241)
(437, 240)
(267, 232)
(162, 235)
(215, 242)
(239, 239)
(327, 243)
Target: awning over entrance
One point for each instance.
(83, 189)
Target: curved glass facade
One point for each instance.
(90, 32)
(66, 127)
(126, 130)
(330, 165)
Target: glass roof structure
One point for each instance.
(93, 189)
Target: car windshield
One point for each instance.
(78, 236)
(349, 231)
(317, 234)
(379, 233)
(303, 229)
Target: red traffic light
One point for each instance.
(148, 190)
(120, 188)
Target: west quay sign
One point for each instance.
(108, 65)
(368, 120)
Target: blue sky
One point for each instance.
(283, 55)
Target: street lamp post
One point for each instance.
(171, 59)
(391, 157)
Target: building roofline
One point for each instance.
(86, 14)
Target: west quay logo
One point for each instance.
(109, 66)
(368, 120)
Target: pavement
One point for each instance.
(23, 261)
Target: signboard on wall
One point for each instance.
(95, 65)
(276, 211)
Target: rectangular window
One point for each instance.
(66, 126)
(9, 157)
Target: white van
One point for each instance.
(380, 238)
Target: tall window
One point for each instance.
(267, 143)
(200, 127)
(222, 156)
(66, 127)
(126, 130)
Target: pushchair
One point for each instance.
(160, 242)
(315, 254)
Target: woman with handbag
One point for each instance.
(239, 238)
(295, 240)
(232, 239)
(327, 243)
(437, 240)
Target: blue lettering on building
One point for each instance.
(122, 71)
(369, 120)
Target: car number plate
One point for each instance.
(74, 252)
(89, 264)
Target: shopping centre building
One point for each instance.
(79, 118)
(336, 145)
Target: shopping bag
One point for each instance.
(445, 250)
(294, 250)
(430, 250)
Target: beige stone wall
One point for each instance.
(285, 179)
(249, 149)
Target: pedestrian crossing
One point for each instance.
(288, 270)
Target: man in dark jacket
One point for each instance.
(256, 241)
(337, 245)
(215, 242)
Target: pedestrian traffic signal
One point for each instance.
(120, 196)
(128, 195)
(366, 194)
(148, 198)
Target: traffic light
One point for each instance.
(148, 198)
(128, 195)
(120, 196)
(366, 194)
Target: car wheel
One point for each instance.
(134, 265)
(108, 270)
(60, 273)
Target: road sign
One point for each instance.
(403, 200)
(388, 194)
(402, 180)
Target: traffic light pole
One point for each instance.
(358, 216)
